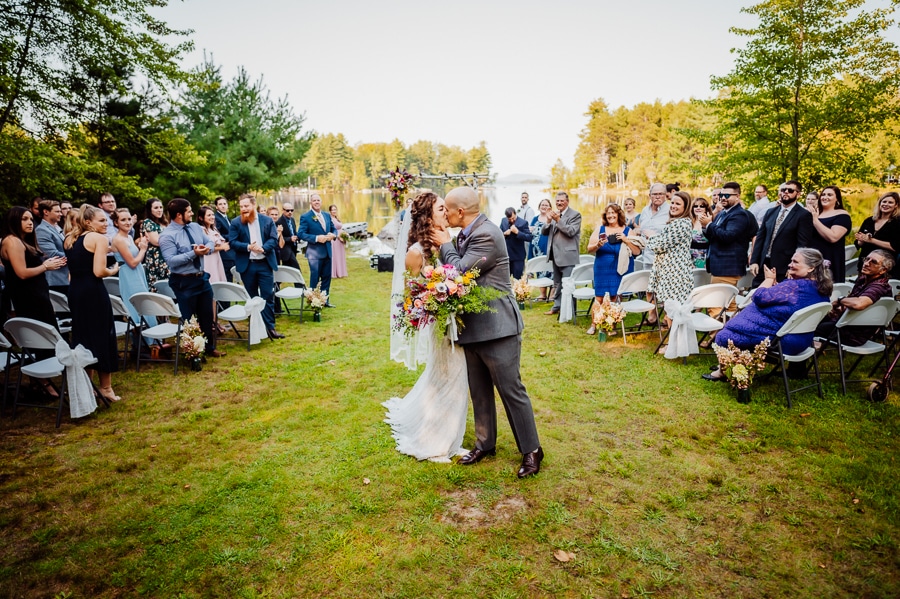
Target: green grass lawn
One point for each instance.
(271, 474)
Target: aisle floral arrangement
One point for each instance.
(192, 341)
(740, 366)
(607, 315)
(441, 295)
(521, 289)
(316, 298)
(399, 183)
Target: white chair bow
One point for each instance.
(254, 308)
(565, 308)
(81, 394)
(683, 336)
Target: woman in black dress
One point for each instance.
(92, 318)
(832, 223)
(881, 231)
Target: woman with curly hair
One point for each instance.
(154, 222)
(429, 422)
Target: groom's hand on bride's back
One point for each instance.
(439, 237)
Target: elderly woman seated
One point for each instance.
(871, 285)
(808, 283)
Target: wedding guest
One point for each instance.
(653, 218)
(130, 256)
(761, 203)
(699, 242)
(36, 210)
(64, 208)
(338, 247)
(108, 205)
(93, 325)
(808, 282)
(672, 274)
(317, 230)
(831, 223)
(50, 241)
(25, 266)
(516, 233)
(632, 216)
(563, 234)
(538, 245)
(154, 222)
(781, 233)
(288, 254)
(212, 262)
(881, 231)
(610, 242)
(223, 226)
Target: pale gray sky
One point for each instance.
(516, 74)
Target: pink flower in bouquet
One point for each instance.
(427, 270)
(418, 303)
(452, 287)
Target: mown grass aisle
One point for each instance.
(271, 474)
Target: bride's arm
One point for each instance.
(414, 261)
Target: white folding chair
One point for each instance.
(163, 288)
(238, 296)
(236, 276)
(715, 296)
(849, 251)
(285, 275)
(852, 268)
(123, 324)
(585, 259)
(32, 335)
(701, 277)
(61, 306)
(8, 359)
(112, 286)
(583, 278)
(895, 287)
(745, 281)
(841, 290)
(535, 266)
(632, 285)
(800, 322)
(158, 306)
(880, 314)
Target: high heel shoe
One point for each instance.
(109, 394)
(48, 388)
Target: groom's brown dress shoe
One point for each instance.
(476, 455)
(531, 463)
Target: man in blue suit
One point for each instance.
(317, 230)
(518, 235)
(254, 239)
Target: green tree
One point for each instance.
(814, 80)
(330, 160)
(478, 159)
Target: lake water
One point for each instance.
(375, 207)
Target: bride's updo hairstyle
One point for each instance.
(421, 212)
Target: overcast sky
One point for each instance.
(517, 74)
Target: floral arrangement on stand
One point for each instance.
(607, 315)
(440, 295)
(521, 290)
(192, 343)
(399, 183)
(740, 366)
(317, 300)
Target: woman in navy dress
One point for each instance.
(881, 231)
(832, 223)
(607, 240)
(808, 283)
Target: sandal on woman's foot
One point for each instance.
(48, 389)
(109, 394)
(592, 330)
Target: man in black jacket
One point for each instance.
(223, 226)
(288, 254)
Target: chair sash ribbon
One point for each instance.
(683, 336)
(565, 307)
(254, 307)
(78, 384)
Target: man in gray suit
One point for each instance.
(50, 240)
(492, 340)
(564, 232)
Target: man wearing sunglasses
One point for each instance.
(288, 254)
(785, 228)
(729, 232)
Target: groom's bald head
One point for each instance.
(462, 206)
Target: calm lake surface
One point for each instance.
(375, 207)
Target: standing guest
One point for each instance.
(782, 232)
(517, 234)
(338, 247)
(130, 257)
(212, 262)
(93, 325)
(288, 253)
(881, 231)
(50, 241)
(671, 277)
(671, 189)
(254, 238)
(811, 198)
(36, 210)
(808, 282)
(538, 245)
(64, 208)
(154, 222)
(108, 205)
(317, 230)
(729, 232)
(610, 241)
(632, 216)
(699, 242)
(761, 203)
(25, 266)
(223, 226)
(563, 234)
(654, 217)
(525, 211)
(183, 245)
(831, 223)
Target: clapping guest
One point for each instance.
(632, 216)
(154, 222)
(610, 242)
(212, 262)
(538, 245)
(831, 223)
(699, 242)
(516, 233)
(130, 256)
(672, 274)
(50, 241)
(881, 231)
(93, 325)
(338, 247)
(563, 234)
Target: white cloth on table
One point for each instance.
(683, 335)
(78, 384)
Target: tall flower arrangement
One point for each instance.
(740, 366)
(192, 341)
(607, 315)
(399, 183)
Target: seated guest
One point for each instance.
(50, 240)
(808, 283)
(871, 285)
(517, 232)
(881, 231)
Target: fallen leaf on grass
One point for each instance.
(804, 415)
(332, 362)
(855, 500)
(563, 556)
(366, 481)
(153, 447)
(542, 354)
(187, 486)
(822, 566)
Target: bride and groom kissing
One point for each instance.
(429, 422)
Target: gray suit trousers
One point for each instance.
(559, 272)
(496, 363)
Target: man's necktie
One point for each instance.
(775, 231)
(459, 240)
(197, 264)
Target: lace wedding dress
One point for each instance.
(430, 421)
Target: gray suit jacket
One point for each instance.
(485, 249)
(50, 241)
(564, 238)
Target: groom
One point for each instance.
(492, 340)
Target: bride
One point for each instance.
(429, 422)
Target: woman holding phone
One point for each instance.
(609, 240)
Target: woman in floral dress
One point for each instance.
(154, 222)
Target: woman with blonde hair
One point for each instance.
(881, 231)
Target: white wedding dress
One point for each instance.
(430, 421)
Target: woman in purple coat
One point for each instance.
(808, 283)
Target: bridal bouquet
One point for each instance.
(740, 366)
(192, 341)
(399, 183)
(440, 295)
(607, 315)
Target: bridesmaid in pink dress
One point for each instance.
(212, 262)
(338, 248)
